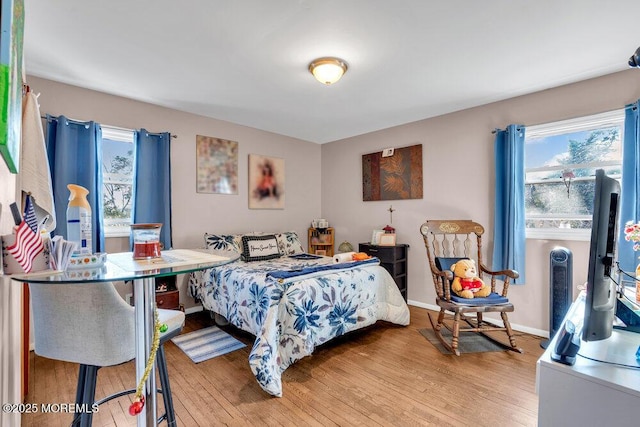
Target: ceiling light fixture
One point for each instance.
(328, 70)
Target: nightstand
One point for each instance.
(167, 294)
(394, 259)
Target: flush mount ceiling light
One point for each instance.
(328, 70)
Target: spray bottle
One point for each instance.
(79, 219)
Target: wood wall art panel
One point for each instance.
(395, 177)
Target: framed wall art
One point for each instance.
(12, 30)
(266, 182)
(392, 176)
(216, 165)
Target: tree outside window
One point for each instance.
(117, 170)
(561, 160)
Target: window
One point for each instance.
(560, 163)
(117, 180)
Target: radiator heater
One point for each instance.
(561, 288)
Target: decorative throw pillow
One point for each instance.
(237, 238)
(259, 248)
(221, 242)
(289, 243)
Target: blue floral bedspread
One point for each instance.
(291, 317)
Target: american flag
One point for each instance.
(27, 246)
(30, 215)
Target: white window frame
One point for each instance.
(585, 123)
(124, 135)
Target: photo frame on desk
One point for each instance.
(375, 236)
(387, 239)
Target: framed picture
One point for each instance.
(375, 237)
(216, 165)
(388, 239)
(266, 182)
(12, 29)
(321, 252)
(396, 176)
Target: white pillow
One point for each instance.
(289, 243)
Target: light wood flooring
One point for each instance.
(383, 375)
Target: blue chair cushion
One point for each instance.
(491, 299)
(445, 263)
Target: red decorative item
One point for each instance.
(136, 407)
(389, 229)
(471, 284)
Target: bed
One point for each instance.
(294, 302)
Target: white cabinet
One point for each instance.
(591, 393)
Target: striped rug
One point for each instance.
(206, 343)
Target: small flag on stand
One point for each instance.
(27, 246)
(30, 214)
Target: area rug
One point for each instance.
(206, 343)
(467, 343)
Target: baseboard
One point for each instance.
(514, 326)
(194, 309)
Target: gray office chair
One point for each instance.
(92, 325)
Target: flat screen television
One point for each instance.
(601, 295)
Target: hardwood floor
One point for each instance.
(382, 375)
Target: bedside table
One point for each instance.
(394, 259)
(167, 294)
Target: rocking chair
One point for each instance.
(447, 242)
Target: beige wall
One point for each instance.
(459, 182)
(193, 213)
(457, 154)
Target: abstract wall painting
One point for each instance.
(266, 182)
(394, 177)
(216, 165)
(11, 31)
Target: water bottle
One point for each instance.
(79, 219)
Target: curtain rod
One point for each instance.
(114, 127)
(496, 130)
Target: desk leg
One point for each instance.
(144, 299)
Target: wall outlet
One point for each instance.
(387, 152)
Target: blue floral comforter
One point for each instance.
(291, 316)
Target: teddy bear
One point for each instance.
(466, 283)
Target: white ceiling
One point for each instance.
(245, 61)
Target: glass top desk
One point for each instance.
(122, 267)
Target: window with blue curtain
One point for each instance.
(509, 224)
(74, 150)
(509, 240)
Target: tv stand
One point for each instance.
(590, 392)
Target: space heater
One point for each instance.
(561, 289)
